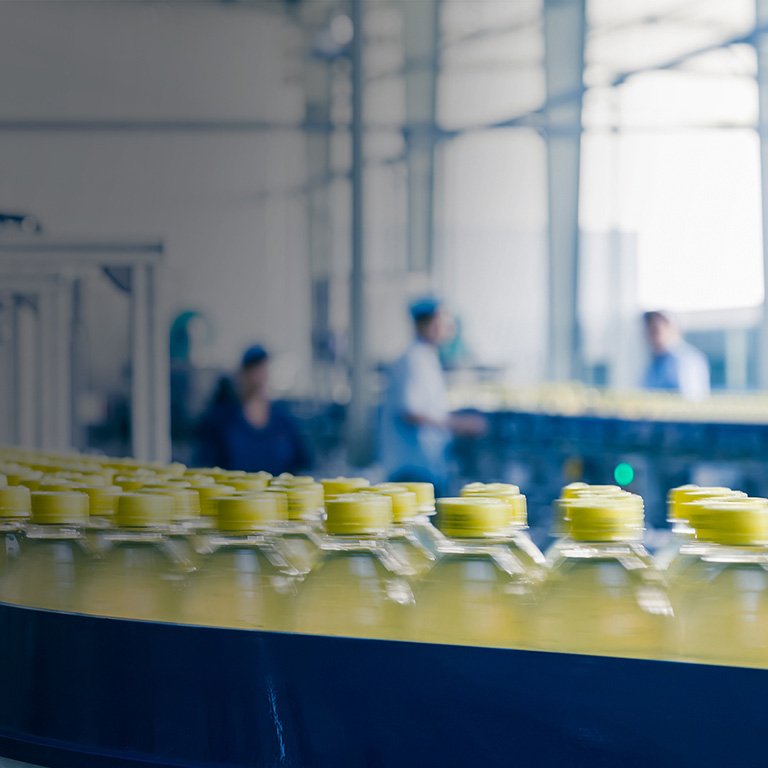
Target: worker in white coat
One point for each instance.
(417, 426)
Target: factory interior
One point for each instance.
(515, 242)
(183, 180)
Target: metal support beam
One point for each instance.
(421, 26)
(761, 46)
(150, 393)
(317, 96)
(47, 371)
(564, 31)
(358, 438)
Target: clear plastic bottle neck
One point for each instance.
(349, 542)
(55, 532)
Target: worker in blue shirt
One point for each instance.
(416, 426)
(675, 365)
(244, 430)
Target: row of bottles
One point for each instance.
(341, 557)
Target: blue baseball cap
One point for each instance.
(425, 307)
(253, 356)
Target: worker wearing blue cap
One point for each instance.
(417, 426)
(245, 430)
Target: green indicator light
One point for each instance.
(624, 474)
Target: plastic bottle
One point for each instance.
(185, 520)
(245, 581)
(102, 507)
(559, 529)
(520, 543)
(427, 534)
(603, 595)
(478, 593)
(722, 597)
(672, 558)
(139, 576)
(357, 588)
(15, 511)
(402, 540)
(301, 535)
(50, 573)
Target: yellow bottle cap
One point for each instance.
(287, 480)
(508, 493)
(405, 505)
(605, 518)
(425, 494)
(358, 514)
(678, 498)
(248, 483)
(342, 485)
(13, 476)
(304, 501)
(259, 475)
(186, 501)
(168, 482)
(281, 496)
(572, 489)
(144, 510)
(208, 495)
(481, 489)
(253, 512)
(472, 517)
(102, 499)
(575, 490)
(15, 502)
(59, 508)
(81, 478)
(130, 483)
(731, 521)
(219, 475)
(195, 479)
(92, 477)
(30, 482)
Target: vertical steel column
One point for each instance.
(564, 31)
(63, 363)
(141, 396)
(7, 372)
(27, 369)
(317, 94)
(358, 426)
(159, 373)
(47, 346)
(761, 47)
(421, 36)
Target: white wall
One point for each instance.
(233, 251)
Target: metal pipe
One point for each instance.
(357, 437)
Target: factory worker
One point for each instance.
(244, 430)
(675, 365)
(417, 427)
